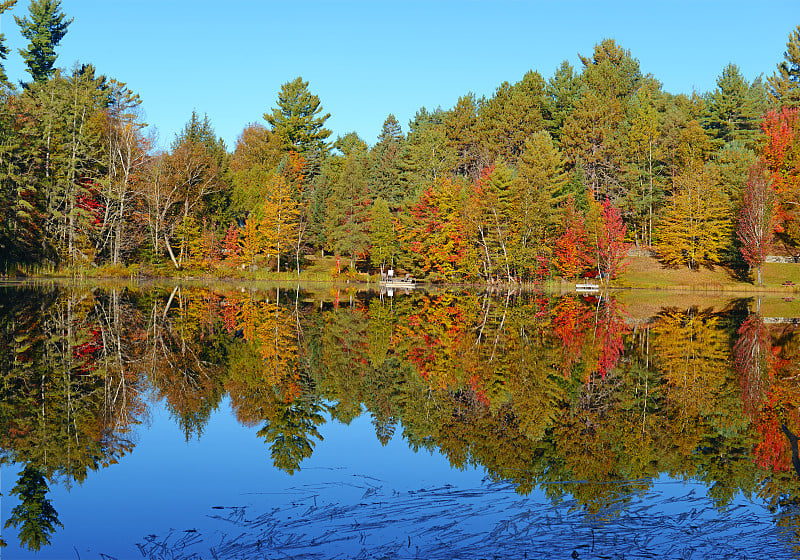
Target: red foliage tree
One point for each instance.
(753, 361)
(611, 246)
(610, 329)
(781, 156)
(571, 319)
(758, 218)
(230, 243)
(571, 255)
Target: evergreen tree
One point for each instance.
(200, 133)
(35, 517)
(382, 238)
(562, 92)
(734, 108)
(461, 128)
(4, 5)
(643, 149)
(350, 143)
(540, 187)
(385, 163)
(297, 119)
(427, 155)
(511, 116)
(784, 84)
(45, 28)
(591, 132)
(391, 131)
(347, 212)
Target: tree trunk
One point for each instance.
(171, 254)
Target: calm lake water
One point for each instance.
(203, 422)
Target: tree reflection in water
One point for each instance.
(577, 397)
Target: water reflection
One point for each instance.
(580, 396)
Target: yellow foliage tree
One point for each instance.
(694, 358)
(281, 217)
(696, 226)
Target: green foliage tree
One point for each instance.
(540, 186)
(590, 133)
(44, 28)
(385, 163)
(35, 517)
(462, 130)
(784, 84)
(562, 92)
(4, 6)
(426, 155)
(297, 120)
(347, 210)
(511, 116)
(734, 109)
(382, 236)
(643, 145)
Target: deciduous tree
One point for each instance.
(757, 219)
(695, 225)
(611, 246)
(572, 254)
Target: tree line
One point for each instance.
(545, 176)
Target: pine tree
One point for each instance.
(461, 127)
(382, 237)
(427, 155)
(562, 92)
(44, 29)
(734, 108)
(511, 116)
(347, 211)
(784, 84)
(644, 150)
(4, 5)
(591, 132)
(297, 119)
(385, 163)
(35, 518)
(539, 188)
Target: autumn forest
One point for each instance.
(549, 176)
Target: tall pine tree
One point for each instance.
(297, 119)
(45, 28)
(784, 84)
(4, 5)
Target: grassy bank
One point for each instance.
(642, 273)
(647, 273)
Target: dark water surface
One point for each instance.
(224, 423)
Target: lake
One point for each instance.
(230, 422)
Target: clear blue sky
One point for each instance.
(368, 59)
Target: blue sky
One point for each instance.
(368, 59)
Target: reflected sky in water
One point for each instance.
(522, 424)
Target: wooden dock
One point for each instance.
(587, 288)
(406, 283)
(389, 280)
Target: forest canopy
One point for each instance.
(547, 176)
